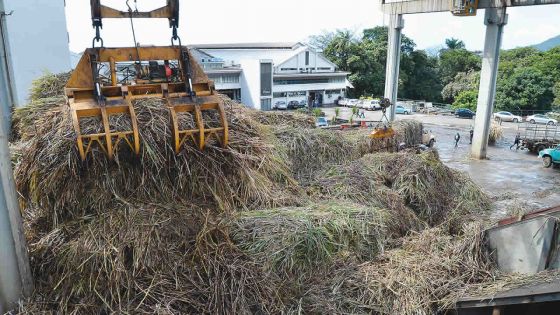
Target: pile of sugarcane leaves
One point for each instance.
(286, 219)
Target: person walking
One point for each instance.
(471, 133)
(457, 138)
(516, 142)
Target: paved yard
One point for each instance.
(516, 179)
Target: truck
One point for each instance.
(550, 156)
(535, 137)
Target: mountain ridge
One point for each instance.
(548, 44)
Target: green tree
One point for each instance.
(466, 99)
(380, 35)
(512, 59)
(342, 49)
(420, 78)
(321, 41)
(364, 59)
(526, 88)
(556, 91)
(454, 61)
(454, 43)
(548, 62)
(463, 81)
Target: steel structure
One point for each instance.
(432, 6)
(166, 73)
(495, 20)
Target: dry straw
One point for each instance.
(496, 133)
(424, 275)
(252, 228)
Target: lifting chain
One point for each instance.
(130, 11)
(97, 38)
(175, 37)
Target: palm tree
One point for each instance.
(454, 43)
(336, 114)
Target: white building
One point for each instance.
(34, 39)
(262, 75)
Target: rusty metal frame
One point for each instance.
(170, 11)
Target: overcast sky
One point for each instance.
(228, 21)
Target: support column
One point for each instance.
(15, 274)
(396, 24)
(494, 19)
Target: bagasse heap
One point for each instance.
(252, 228)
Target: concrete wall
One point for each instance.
(228, 86)
(308, 87)
(6, 85)
(38, 40)
(333, 97)
(250, 81)
(230, 56)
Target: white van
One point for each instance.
(371, 105)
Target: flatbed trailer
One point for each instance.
(535, 137)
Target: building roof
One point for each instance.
(280, 45)
(311, 75)
(223, 70)
(279, 53)
(202, 53)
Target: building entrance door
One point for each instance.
(315, 98)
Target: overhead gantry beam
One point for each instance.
(429, 6)
(495, 19)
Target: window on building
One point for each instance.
(307, 58)
(266, 104)
(332, 91)
(230, 78)
(224, 78)
(280, 94)
(266, 79)
(288, 69)
(337, 80)
(297, 93)
(324, 68)
(212, 65)
(301, 81)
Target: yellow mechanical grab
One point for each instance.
(383, 130)
(464, 7)
(107, 81)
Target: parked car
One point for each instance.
(402, 110)
(464, 113)
(321, 122)
(371, 105)
(302, 103)
(507, 116)
(281, 105)
(353, 102)
(343, 102)
(550, 156)
(428, 139)
(362, 104)
(541, 119)
(293, 104)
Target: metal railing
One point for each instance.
(539, 132)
